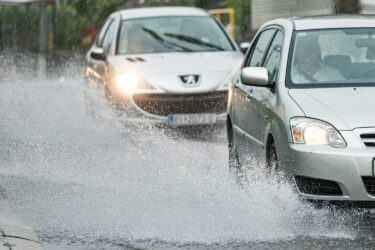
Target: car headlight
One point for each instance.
(315, 132)
(127, 82)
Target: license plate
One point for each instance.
(192, 119)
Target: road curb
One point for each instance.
(18, 238)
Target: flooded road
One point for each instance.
(85, 177)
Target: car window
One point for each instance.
(260, 47)
(108, 38)
(102, 32)
(171, 34)
(334, 57)
(272, 61)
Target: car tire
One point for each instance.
(234, 163)
(272, 160)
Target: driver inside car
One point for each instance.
(308, 65)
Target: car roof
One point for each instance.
(329, 22)
(161, 11)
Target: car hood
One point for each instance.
(344, 108)
(164, 70)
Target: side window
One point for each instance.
(108, 38)
(272, 61)
(102, 32)
(259, 49)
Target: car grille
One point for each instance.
(369, 182)
(166, 104)
(317, 186)
(368, 139)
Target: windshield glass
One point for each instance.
(171, 34)
(334, 57)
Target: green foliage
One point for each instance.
(94, 12)
(73, 16)
(242, 16)
(173, 2)
(69, 25)
(19, 28)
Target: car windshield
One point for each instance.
(333, 58)
(171, 34)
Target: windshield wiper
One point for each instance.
(193, 40)
(157, 37)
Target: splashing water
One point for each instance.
(82, 174)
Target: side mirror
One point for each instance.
(256, 76)
(98, 54)
(244, 46)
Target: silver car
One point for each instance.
(304, 101)
(168, 64)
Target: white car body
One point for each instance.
(178, 83)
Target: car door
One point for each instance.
(105, 41)
(263, 98)
(244, 115)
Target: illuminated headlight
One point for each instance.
(128, 82)
(314, 132)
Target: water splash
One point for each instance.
(78, 170)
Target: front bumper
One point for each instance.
(158, 106)
(326, 173)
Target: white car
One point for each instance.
(170, 64)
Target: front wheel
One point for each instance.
(272, 160)
(234, 163)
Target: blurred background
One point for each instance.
(37, 35)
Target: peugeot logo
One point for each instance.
(190, 80)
